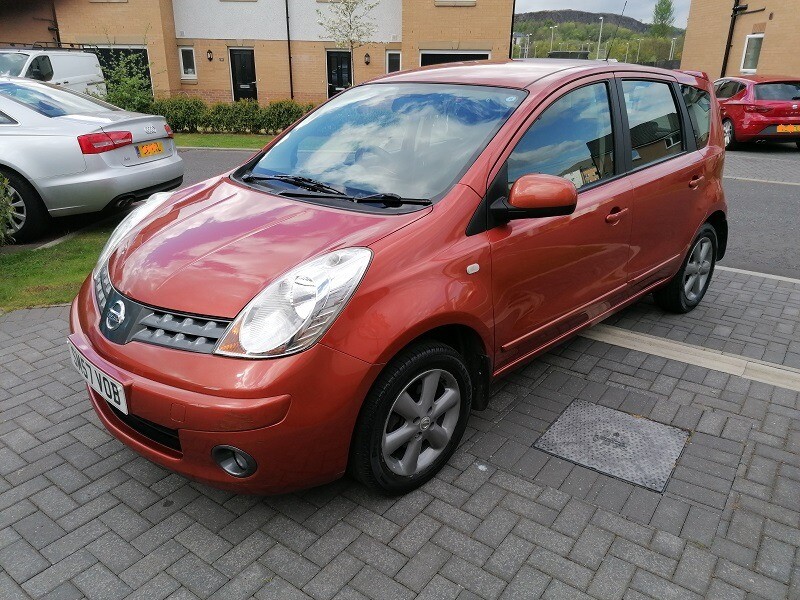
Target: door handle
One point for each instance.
(615, 215)
(695, 181)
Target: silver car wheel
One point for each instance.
(727, 130)
(698, 269)
(18, 211)
(421, 422)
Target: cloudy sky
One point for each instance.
(638, 9)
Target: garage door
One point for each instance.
(437, 58)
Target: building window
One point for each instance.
(392, 61)
(752, 50)
(188, 70)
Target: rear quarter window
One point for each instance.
(698, 103)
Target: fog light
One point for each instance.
(233, 461)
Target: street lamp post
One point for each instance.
(552, 35)
(600, 37)
(638, 50)
(672, 49)
(627, 48)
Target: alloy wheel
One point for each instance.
(18, 211)
(421, 422)
(727, 130)
(698, 269)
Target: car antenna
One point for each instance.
(614, 35)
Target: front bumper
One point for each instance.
(101, 184)
(294, 415)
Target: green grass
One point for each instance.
(223, 140)
(51, 275)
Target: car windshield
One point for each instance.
(11, 63)
(789, 90)
(410, 139)
(51, 101)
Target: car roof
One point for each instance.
(45, 51)
(516, 73)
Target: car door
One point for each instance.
(552, 275)
(730, 95)
(664, 172)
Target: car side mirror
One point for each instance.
(535, 196)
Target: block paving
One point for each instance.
(81, 516)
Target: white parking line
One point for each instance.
(762, 180)
(757, 274)
(716, 360)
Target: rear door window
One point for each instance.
(572, 138)
(698, 104)
(6, 120)
(653, 122)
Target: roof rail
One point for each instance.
(45, 46)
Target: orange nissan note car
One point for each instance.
(341, 302)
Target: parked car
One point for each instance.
(71, 69)
(344, 299)
(67, 153)
(759, 108)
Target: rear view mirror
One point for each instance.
(537, 195)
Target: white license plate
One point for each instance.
(105, 385)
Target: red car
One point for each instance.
(343, 300)
(757, 108)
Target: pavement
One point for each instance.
(83, 516)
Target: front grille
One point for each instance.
(153, 431)
(196, 334)
(102, 287)
(157, 326)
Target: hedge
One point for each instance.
(185, 114)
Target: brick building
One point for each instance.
(764, 38)
(223, 50)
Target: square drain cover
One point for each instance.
(615, 443)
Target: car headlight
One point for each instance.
(293, 312)
(127, 225)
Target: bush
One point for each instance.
(240, 117)
(181, 112)
(277, 116)
(5, 212)
(127, 83)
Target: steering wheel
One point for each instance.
(385, 162)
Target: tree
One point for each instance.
(127, 83)
(663, 18)
(349, 24)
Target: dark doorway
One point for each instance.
(436, 58)
(243, 73)
(339, 77)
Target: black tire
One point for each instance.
(673, 296)
(798, 145)
(36, 217)
(367, 462)
(731, 145)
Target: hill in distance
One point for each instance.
(585, 18)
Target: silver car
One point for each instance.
(65, 153)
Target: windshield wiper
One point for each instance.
(388, 200)
(391, 200)
(303, 182)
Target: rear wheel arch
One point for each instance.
(719, 222)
